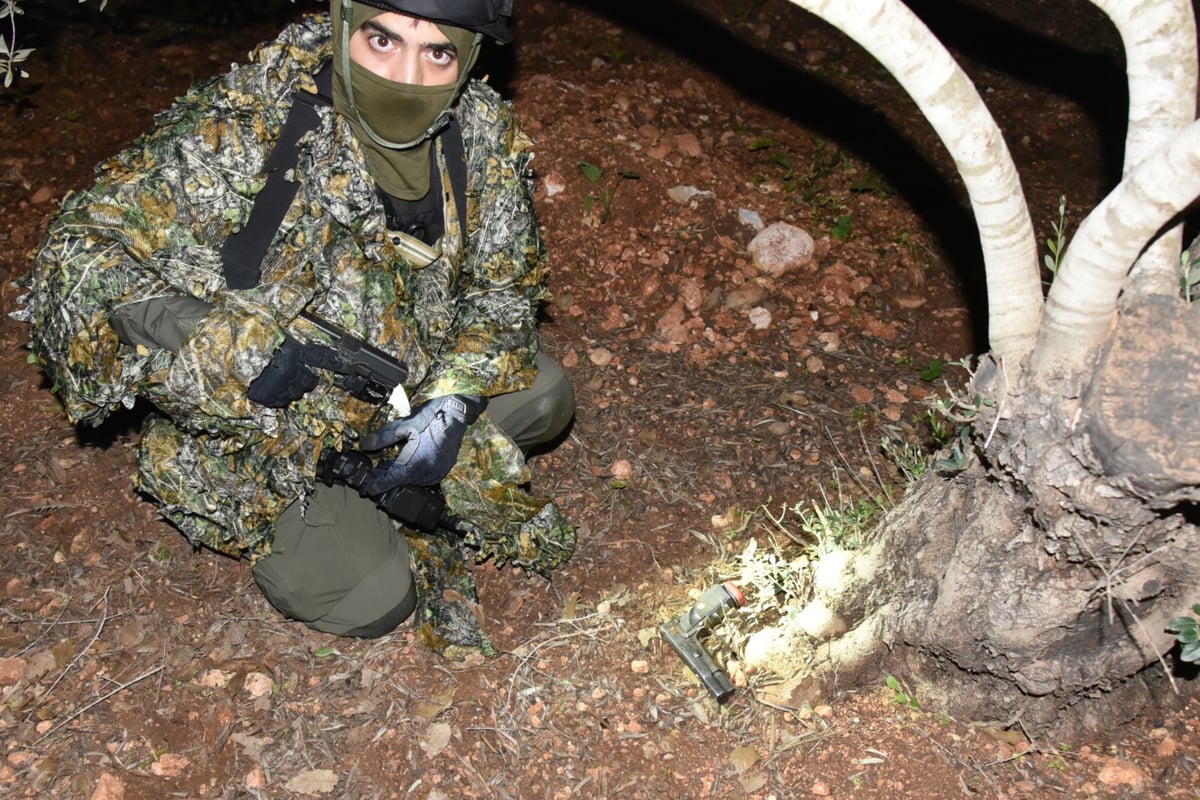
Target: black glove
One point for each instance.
(431, 436)
(285, 379)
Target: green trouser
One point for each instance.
(336, 562)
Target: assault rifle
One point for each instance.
(372, 375)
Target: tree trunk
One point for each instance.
(1035, 585)
(949, 101)
(1160, 54)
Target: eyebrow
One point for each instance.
(383, 30)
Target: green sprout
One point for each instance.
(1187, 633)
(902, 697)
(1058, 244)
(595, 174)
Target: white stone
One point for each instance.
(781, 248)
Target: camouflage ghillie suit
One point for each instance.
(462, 317)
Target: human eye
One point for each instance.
(380, 42)
(442, 56)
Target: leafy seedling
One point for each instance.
(1187, 633)
(902, 696)
(595, 175)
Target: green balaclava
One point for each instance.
(394, 122)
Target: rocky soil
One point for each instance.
(713, 398)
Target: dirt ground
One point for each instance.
(133, 667)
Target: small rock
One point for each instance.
(1166, 748)
(692, 295)
(600, 356)
(216, 678)
(640, 666)
(169, 765)
(760, 318)
(313, 782)
(685, 194)
(42, 195)
(745, 296)
(751, 218)
(554, 184)
(256, 778)
(258, 684)
(1122, 773)
(861, 394)
(12, 670)
(910, 301)
(689, 145)
(781, 248)
(109, 787)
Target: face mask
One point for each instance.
(394, 122)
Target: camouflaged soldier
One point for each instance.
(349, 170)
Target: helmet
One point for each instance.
(488, 17)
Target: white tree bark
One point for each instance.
(948, 99)
(1160, 53)
(1083, 297)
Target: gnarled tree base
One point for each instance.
(958, 595)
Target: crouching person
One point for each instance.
(350, 177)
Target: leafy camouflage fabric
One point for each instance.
(461, 316)
(448, 619)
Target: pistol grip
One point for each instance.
(698, 660)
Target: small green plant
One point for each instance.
(10, 54)
(1057, 245)
(617, 52)
(908, 457)
(940, 429)
(933, 370)
(956, 461)
(1187, 633)
(825, 528)
(902, 696)
(594, 175)
(776, 579)
(964, 413)
(1189, 275)
(824, 163)
(776, 158)
(843, 226)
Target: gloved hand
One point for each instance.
(431, 436)
(285, 379)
